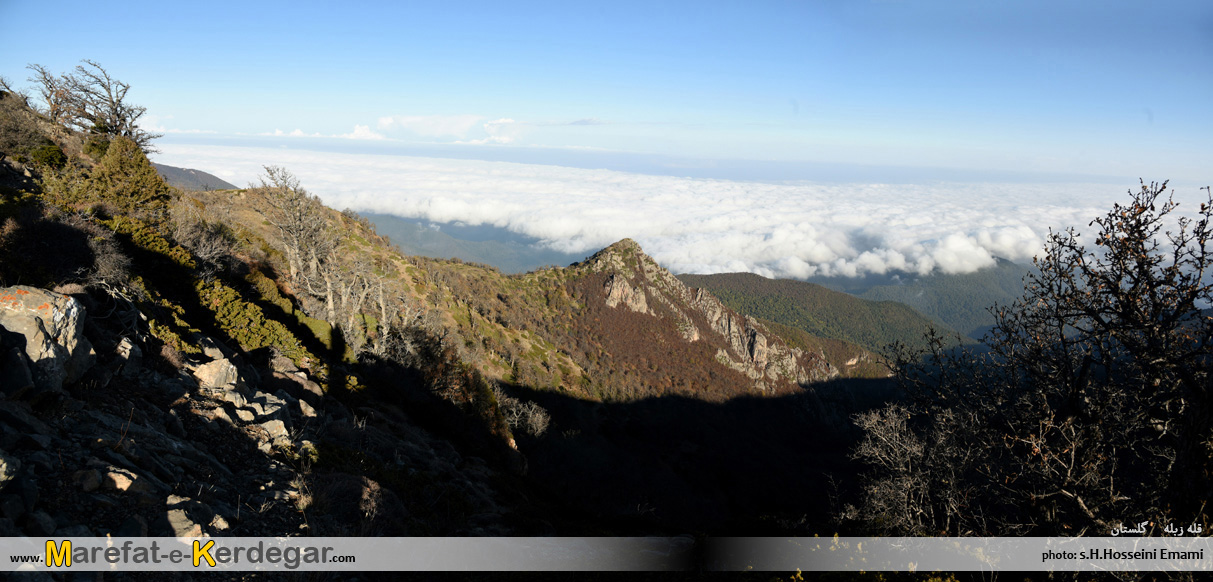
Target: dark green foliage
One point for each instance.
(148, 238)
(816, 309)
(268, 290)
(97, 146)
(123, 184)
(167, 321)
(246, 323)
(233, 315)
(49, 155)
(125, 180)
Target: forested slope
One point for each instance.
(817, 310)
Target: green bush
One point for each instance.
(166, 320)
(66, 187)
(97, 146)
(146, 237)
(247, 324)
(50, 155)
(123, 183)
(125, 180)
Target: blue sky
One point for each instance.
(1115, 89)
(790, 139)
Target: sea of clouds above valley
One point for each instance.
(696, 225)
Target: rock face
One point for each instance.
(50, 326)
(619, 291)
(636, 282)
(220, 374)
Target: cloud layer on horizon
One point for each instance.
(694, 225)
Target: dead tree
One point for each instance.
(354, 286)
(96, 103)
(1094, 401)
(54, 92)
(298, 216)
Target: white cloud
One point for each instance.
(502, 130)
(432, 125)
(363, 132)
(697, 225)
(296, 133)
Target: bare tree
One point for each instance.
(311, 245)
(91, 100)
(380, 346)
(396, 311)
(54, 92)
(212, 242)
(298, 217)
(1094, 402)
(354, 286)
(522, 415)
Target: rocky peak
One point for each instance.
(625, 256)
(636, 282)
(625, 246)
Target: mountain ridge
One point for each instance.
(363, 373)
(190, 179)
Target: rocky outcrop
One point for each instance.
(47, 327)
(619, 291)
(219, 447)
(219, 374)
(637, 282)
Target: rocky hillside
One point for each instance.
(251, 362)
(97, 437)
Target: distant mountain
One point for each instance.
(959, 301)
(604, 398)
(817, 310)
(619, 327)
(515, 255)
(188, 179)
